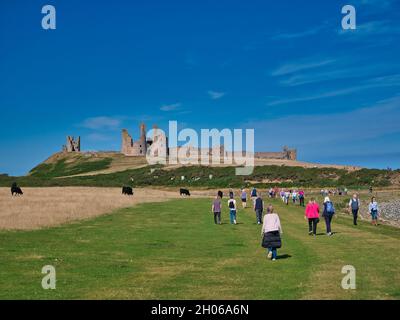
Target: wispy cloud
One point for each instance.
(379, 82)
(377, 27)
(329, 94)
(300, 66)
(379, 119)
(215, 95)
(301, 34)
(170, 107)
(382, 4)
(343, 71)
(98, 137)
(101, 123)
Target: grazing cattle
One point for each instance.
(128, 191)
(220, 194)
(15, 190)
(184, 192)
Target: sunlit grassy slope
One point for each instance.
(173, 250)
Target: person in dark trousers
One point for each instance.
(232, 210)
(329, 211)
(312, 215)
(354, 206)
(259, 208)
(216, 209)
(301, 198)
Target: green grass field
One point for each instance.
(173, 250)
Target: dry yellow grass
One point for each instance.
(44, 207)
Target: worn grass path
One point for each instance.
(173, 250)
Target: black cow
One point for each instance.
(220, 194)
(15, 190)
(127, 191)
(184, 192)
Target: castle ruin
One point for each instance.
(72, 145)
(285, 154)
(134, 148)
(139, 147)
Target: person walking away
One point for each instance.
(373, 209)
(258, 208)
(287, 196)
(270, 192)
(271, 232)
(253, 195)
(312, 215)
(243, 197)
(329, 211)
(282, 194)
(231, 193)
(301, 198)
(232, 210)
(216, 209)
(294, 196)
(354, 206)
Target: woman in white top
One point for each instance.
(232, 209)
(271, 231)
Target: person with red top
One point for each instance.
(312, 214)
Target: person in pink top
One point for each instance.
(312, 214)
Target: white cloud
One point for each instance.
(98, 137)
(294, 35)
(320, 130)
(101, 123)
(170, 107)
(300, 66)
(378, 28)
(215, 95)
(380, 82)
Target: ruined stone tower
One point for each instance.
(72, 145)
(134, 148)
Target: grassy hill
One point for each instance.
(114, 170)
(173, 250)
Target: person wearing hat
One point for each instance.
(329, 211)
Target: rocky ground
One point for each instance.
(391, 210)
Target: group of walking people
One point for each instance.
(293, 196)
(271, 226)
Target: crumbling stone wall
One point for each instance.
(72, 145)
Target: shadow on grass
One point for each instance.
(284, 256)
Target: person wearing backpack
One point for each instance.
(253, 195)
(258, 208)
(216, 209)
(232, 210)
(312, 215)
(329, 211)
(301, 198)
(354, 206)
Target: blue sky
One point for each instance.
(285, 68)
